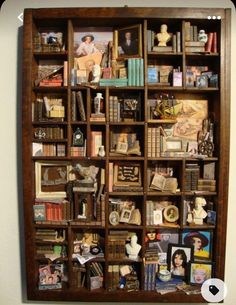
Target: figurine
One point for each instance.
(202, 36)
(133, 248)
(163, 37)
(198, 212)
(96, 71)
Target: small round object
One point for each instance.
(164, 275)
(171, 213)
(95, 250)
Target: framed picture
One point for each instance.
(114, 218)
(173, 145)
(125, 215)
(178, 258)
(199, 272)
(202, 81)
(51, 179)
(159, 240)
(171, 213)
(128, 41)
(90, 40)
(127, 175)
(201, 241)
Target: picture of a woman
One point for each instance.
(200, 273)
(200, 240)
(179, 262)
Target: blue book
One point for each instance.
(152, 75)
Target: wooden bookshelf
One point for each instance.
(60, 195)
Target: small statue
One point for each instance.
(163, 37)
(198, 212)
(96, 71)
(133, 248)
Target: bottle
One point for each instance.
(98, 103)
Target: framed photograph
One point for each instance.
(114, 218)
(199, 272)
(178, 258)
(51, 179)
(202, 81)
(128, 41)
(125, 215)
(201, 241)
(127, 175)
(171, 213)
(173, 145)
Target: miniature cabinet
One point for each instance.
(125, 151)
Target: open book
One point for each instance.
(164, 184)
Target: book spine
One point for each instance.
(129, 72)
(214, 46)
(141, 71)
(209, 42)
(65, 74)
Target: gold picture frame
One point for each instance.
(132, 48)
(51, 179)
(127, 175)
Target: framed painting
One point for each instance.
(128, 41)
(51, 179)
(201, 241)
(199, 272)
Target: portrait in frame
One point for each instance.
(201, 241)
(51, 179)
(178, 258)
(171, 213)
(199, 272)
(128, 41)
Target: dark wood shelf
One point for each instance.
(37, 181)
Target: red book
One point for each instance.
(214, 44)
(209, 42)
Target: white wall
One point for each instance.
(11, 247)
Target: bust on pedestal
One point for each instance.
(163, 37)
(133, 248)
(198, 212)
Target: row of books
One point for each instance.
(150, 271)
(116, 244)
(49, 150)
(194, 45)
(153, 47)
(135, 72)
(77, 106)
(57, 235)
(55, 250)
(51, 211)
(48, 109)
(49, 133)
(52, 74)
(78, 151)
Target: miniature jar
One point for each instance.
(202, 36)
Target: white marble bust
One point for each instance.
(133, 248)
(198, 212)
